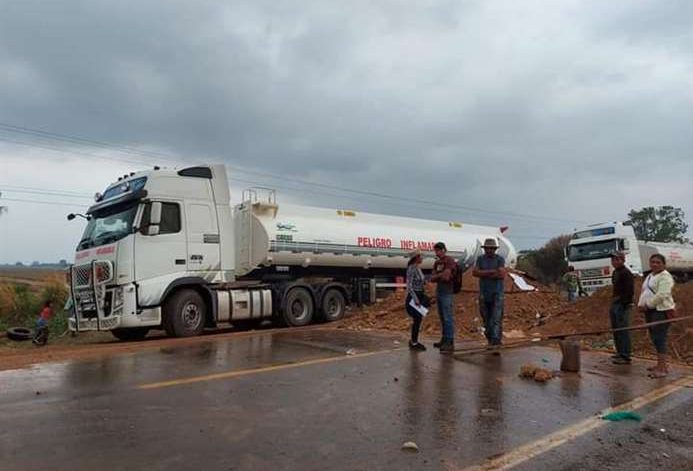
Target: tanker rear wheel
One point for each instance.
(333, 305)
(298, 307)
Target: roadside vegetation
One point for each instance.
(22, 296)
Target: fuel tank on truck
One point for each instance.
(268, 234)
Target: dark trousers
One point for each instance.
(658, 333)
(416, 318)
(491, 310)
(620, 318)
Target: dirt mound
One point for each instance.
(539, 312)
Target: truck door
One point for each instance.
(203, 237)
(160, 249)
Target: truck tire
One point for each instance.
(136, 333)
(298, 307)
(333, 305)
(184, 314)
(19, 333)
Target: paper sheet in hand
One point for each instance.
(420, 309)
(521, 283)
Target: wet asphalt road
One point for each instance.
(308, 400)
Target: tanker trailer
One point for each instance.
(679, 257)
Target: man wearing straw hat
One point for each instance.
(490, 269)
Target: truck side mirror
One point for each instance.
(151, 220)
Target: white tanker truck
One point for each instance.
(590, 249)
(164, 249)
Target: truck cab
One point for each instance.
(149, 233)
(590, 248)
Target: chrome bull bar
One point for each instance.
(93, 276)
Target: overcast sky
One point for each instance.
(539, 115)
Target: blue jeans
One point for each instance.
(658, 333)
(445, 302)
(491, 310)
(620, 317)
(572, 295)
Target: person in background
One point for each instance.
(415, 292)
(443, 275)
(490, 269)
(41, 336)
(658, 304)
(572, 283)
(621, 303)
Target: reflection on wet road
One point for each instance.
(303, 400)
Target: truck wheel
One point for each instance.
(136, 333)
(184, 314)
(298, 307)
(333, 305)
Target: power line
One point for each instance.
(56, 203)
(45, 193)
(164, 156)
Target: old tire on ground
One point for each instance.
(184, 314)
(19, 333)
(135, 333)
(333, 305)
(298, 307)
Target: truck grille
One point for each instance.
(82, 274)
(591, 272)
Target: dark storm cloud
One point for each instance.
(522, 107)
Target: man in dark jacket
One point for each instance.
(621, 304)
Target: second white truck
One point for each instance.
(590, 249)
(164, 249)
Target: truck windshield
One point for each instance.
(592, 250)
(109, 225)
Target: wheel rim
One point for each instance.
(192, 316)
(333, 306)
(299, 309)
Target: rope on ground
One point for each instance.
(548, 338)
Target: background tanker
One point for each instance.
(590, 248)
(164, 249)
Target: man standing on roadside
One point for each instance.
(572, 283)
(443, 275)
(621, 304)
(490, 269)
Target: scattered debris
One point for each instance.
(514, 334)
(542, 375)
(351, 351)
(530, 371)
(527, 371)
(489, 413)
(410, 446)
(622, 415)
